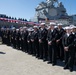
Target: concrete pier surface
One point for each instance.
(16, 62)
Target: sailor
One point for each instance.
(30, 50)
(35, 42)
(68, 43)
(11, 40)
(8, 36)
(25, 44)
(21, 38)
(5, 37)
(43, 42)
(73, 52)
(0, 31)
(52, 48)
(17, 38)
(2, 35)
(60, 49)
(49, 38)
(13, 37)
(74, 31)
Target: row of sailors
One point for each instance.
(47, 43)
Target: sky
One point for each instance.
(26, 8)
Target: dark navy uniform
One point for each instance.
(25, 44)
(30, 51)
(21, 40)
(43, 43)
(60, 49)
(13, 38)
(49, 37)
(17, 40)
(2, 35)
(54, 46)
(75, 47)
(69, 50)
(8, 37)
(35, 43)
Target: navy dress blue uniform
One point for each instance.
(60, 49)
(54, 36)
(43, 44)
(68, 41)
(2, 35)
(75, 46)
(35, 43)
(13, 38)
(17, 40)
(0, 32)
(30, 51)
(49, 37)
(25, 44)
(21, 40)
(8, 37)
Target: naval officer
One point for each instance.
(68, 43)
(60, 49)
(25, 34)
(52, 47)
(35, 42)
(43, 42)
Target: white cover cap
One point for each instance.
(59, 24)
(52, 23)
(35, 27)
(42, 24)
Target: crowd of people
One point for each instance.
(49, 43)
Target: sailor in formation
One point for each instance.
(49, 43)
(43, 42)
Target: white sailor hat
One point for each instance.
(30, 29)
(66, 28)
(55, 27)
(52, 23)
(60, 24)
(35, 27)
(2, 28)
(20, 28)
(17, 29)
(42, 24)
(48, 27)
(72, 26)
(13, 28)
(75, 27)
(24, 27)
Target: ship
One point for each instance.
(53, 11)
